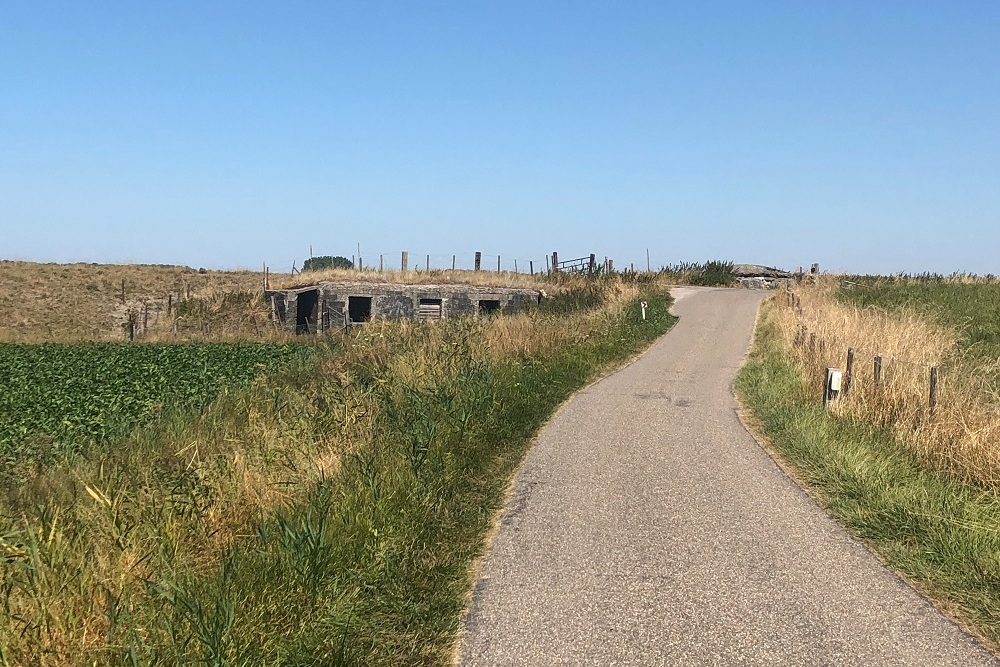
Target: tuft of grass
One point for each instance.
(941, 534)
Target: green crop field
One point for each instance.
(973, 307)
(59, 398)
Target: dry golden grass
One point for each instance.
(433, 277)
(71, 302)
(962, 436)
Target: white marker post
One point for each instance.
(643, 309)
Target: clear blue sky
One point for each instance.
(862, 135)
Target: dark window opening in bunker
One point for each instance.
(359, 308)
(489, 306)
(429, 309)
(306, 310)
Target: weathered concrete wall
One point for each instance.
(399, 301)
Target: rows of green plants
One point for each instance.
(57, 398)
(971, 304)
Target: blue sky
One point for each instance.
(862, 135)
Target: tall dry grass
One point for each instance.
(962, 434)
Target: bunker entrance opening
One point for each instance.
(306, 310)
(359, 308)
(488, 306)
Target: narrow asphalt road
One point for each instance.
(647, 527)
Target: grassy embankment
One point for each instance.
(920, 489)
(73, 302)
(326, 515)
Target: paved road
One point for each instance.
(648, 528)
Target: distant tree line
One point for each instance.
(327, 262)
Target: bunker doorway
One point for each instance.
(489, 306)
(359, 308)
(306, 311)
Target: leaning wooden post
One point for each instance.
(878, 371)
(933, 399)
(479, 261)
(404, 261)
(849, 372)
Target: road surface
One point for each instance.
(647, 527)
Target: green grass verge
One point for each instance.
(373, 569)
(940, 534)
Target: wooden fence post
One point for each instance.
(555, 262)
(933, 399)
(479, 260)
(878, 371)
(428, 263)
(515, 266)
(849, 372)
(498, 263)
(404, 261)
(452, 262)
(531, 266)
(170, 303)
(592, 264)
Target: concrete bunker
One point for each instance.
(323, 305)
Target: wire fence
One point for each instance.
(466, 260)
(814, 346)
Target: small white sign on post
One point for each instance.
(832, 385)
(643, 309)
